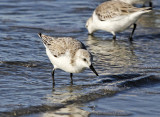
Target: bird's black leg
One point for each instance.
(53, 77)
(71, 75)
(150, 4)
(114, 37)
(134, 28)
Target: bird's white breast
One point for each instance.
(63, 62)
(117, 24)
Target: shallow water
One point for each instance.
(129, 79)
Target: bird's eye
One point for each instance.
(84, 59)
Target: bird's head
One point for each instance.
(84, 59)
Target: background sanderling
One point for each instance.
(114, 17)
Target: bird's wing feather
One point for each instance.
(59, 45)
(111, 9)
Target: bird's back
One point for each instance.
(115, 8)
(59, 45)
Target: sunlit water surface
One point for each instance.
(129, 79)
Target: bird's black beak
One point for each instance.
(92, 68)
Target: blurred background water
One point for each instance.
(129, 82)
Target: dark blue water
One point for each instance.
(129, 82)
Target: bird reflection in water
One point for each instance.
(112, 56)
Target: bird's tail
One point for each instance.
(45, 39)
(146, 9)
(40, 35)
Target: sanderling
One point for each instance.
(114, 17)
(138, 2)
(67, 54)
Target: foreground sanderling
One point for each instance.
(138, 2)
(67, 54)
(114, 17)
